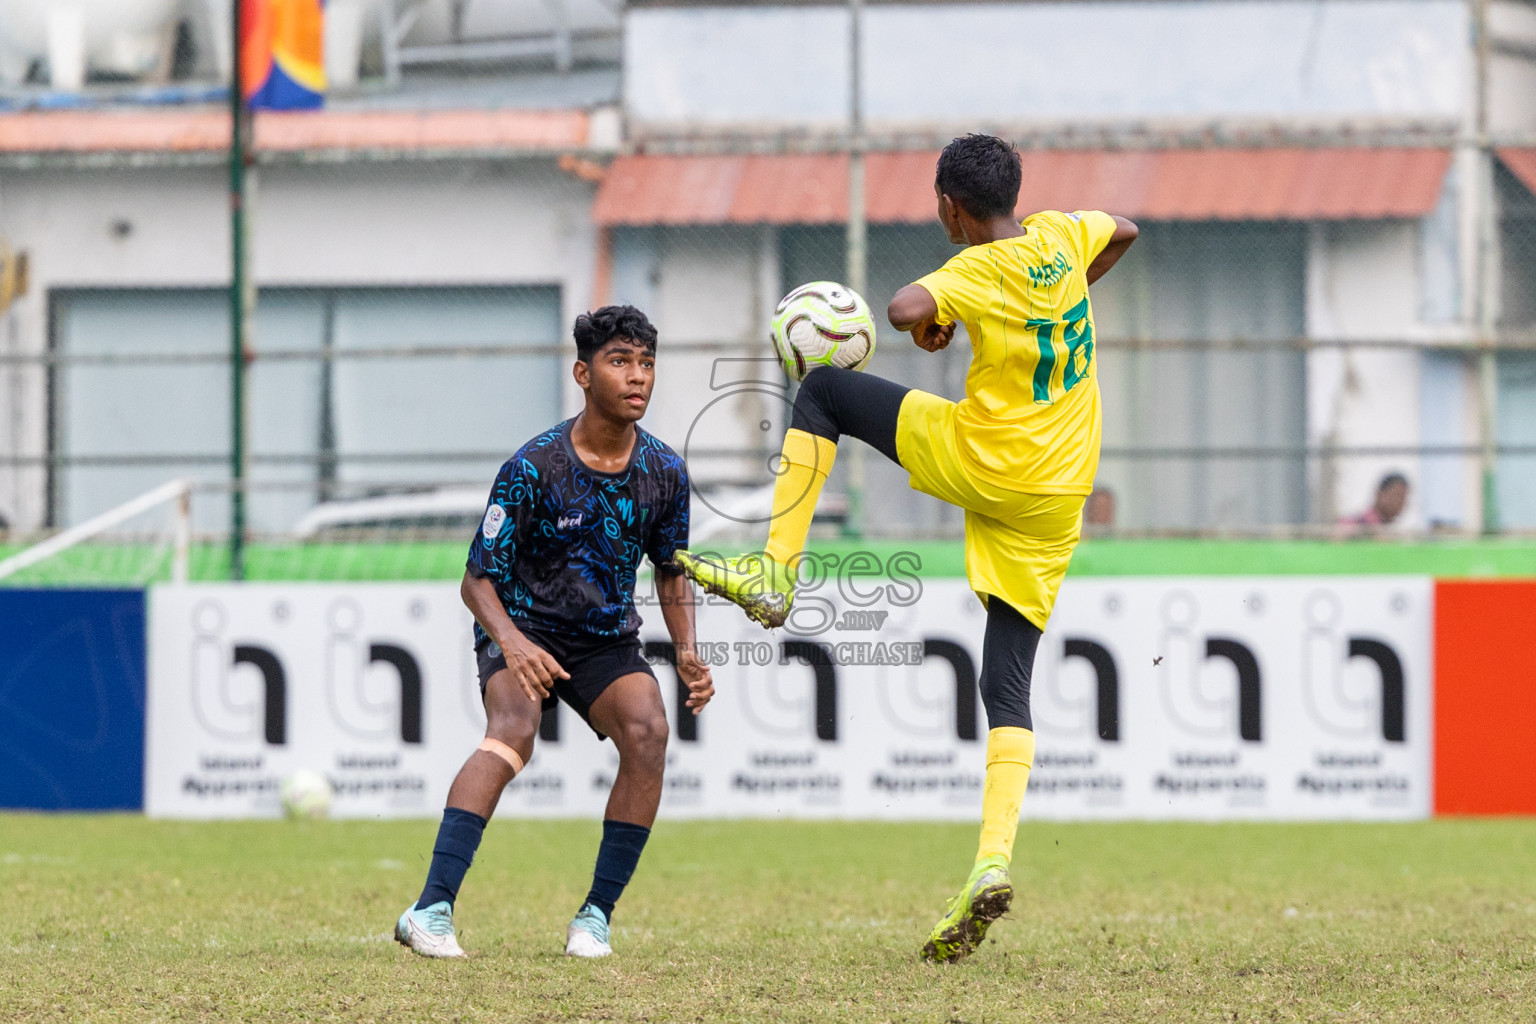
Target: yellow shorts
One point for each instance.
(1017, 546)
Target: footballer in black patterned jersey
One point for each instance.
(551, 583)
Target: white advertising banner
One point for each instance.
(1195, 698)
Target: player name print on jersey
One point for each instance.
(1048, 274)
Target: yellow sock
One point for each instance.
(807, 459)
(1010, 752)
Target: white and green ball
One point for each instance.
(823, 324)
(306, 794)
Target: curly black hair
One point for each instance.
(981, 173)
(595, 329)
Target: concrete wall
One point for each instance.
(452, 223)
(1217, 283)
(1126, 61)
(1366, 282)
(1512, 71)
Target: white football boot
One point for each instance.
(428, 931)
(587, 935)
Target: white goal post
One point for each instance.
(177, 491)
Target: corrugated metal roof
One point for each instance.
(1209, 184)
(204, 130)
(724, 190)
(1522, 164)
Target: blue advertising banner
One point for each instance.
(72, 699)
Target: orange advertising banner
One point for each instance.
(1485, 697)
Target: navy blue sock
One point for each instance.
(616, 859)
(458, 837)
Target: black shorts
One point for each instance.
(593, 665)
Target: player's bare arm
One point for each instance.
(534, 668)
(914, 310)
(1125, 234)
(676, 595)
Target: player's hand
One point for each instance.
(930, 336)
(696, 676)
(534, 668)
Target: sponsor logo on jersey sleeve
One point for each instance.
(491, 525)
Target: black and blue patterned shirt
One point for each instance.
(562, 541)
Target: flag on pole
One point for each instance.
(282, 54)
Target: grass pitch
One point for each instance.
(117, 918)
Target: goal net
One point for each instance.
(173, 534)
(146, 540)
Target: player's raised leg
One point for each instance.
(512, 718)
(831, 402)
(1007, 663)
(629, 712)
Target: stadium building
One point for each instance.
(1335, 214)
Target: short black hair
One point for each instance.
(1389, 480)
(595, 329)
(982, 173)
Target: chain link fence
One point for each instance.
(1514, 419)
(412, 330)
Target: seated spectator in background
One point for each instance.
(1099, 512)
(1391, 497)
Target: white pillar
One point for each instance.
(66, 48)
(344, 42)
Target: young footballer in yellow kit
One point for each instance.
(1018, 453)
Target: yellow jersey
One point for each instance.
(1029, 421)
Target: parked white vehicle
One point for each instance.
(728, 511)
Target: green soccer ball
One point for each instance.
(822, 324)
(306, 794)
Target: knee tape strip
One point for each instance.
(501, 750)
